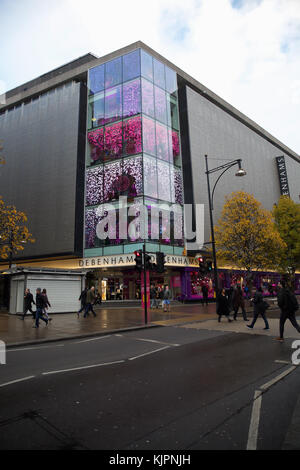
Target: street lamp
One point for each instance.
(224, 167)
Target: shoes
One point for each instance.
(47, 321)
(35, 326)
(267, 328)
(279, 339)
(249, 326)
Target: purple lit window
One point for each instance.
(162, 142)
(96, 141)
(94, 186)
(160, 105)
(150, 177)
(147, 98)
(112, 173)
(113, 104)
(113, 141)
(163, 172)
(96, 79)
(149, 145)
(132, 136)
(159, 73)
(132, 177)
(113, 72)
(131, 65)
(131, 98)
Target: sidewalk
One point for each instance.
(15, 331)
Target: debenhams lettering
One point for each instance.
(128, 260)
(283, 179)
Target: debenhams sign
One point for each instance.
(117, 261)
(283, 179)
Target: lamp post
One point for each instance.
(224, 167)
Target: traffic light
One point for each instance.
(160, 262)
(148, 263)
(209, 266)
(202, 265)
(139, 259)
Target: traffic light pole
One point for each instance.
(145, 285)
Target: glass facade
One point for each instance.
(133, 150)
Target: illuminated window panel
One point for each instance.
(96, 110)
(94, 186)
(113, 141)
(160, 105)
(162, 148)
(132, 177)
(146, 65)
(113, 104)
(132, 135)
(131, 65)
(113, 72)
(150, 177)
(148, 98)
(131, 98)
(159, 73)
(149, 143)
(112, 173)
(176, 185)
(96, 145)
(163, 173)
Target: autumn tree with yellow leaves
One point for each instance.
(13, 231)
(246, 235)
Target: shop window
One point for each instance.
(132, 136)
(131, 98)
(149, 144)
(113, 104)
(113, 72)
(113, 141)
(131, 65)
(94, 186)
(96, 79)
(147, 98)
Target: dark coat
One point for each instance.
(237, 298)
(223, 305)
(258, 303)
(40, 301)
(28, 300)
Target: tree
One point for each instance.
(246, 235)
(13, 231)
(287, 221)
(2, 159)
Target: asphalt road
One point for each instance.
(168, 388)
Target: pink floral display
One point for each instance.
(96, 141)
(113, 141)
(162, 142)
(94, 186)
(132, 136)
(131, 98)
(149, 145)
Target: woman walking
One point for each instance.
(223, 306)
(260, 307)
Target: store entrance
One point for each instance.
(115, 285)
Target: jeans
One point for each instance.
(39, 315)
(283, 317)
(255, 317)
(154, 303)
(87, 309)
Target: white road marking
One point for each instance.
(254, 422)
(156, 341)
(92, 339)
(148, 353)
(35, 348)
(81, 368)
(17, 381)
(278, 361)
(276, 379)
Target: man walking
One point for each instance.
(90, 300)
(166, 299)
(238, 301)
(204, 294)
(40, 305)
(260, 307)
(82, 298)
(28, 301)
(288, 305)
(153, 295)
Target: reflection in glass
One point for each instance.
(132, 136)
(162, 149)
(96, 110)
(159, 73)
(160, 105)
(96, 144)
(96, 79)
(146, 65)
(113, 72)
(150, 177)
(147, 98)
(131, 65)
(131, 98)
(172, 111)
(171, 80)
(149, 145)
(113, 104)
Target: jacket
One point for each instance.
(258, 302)
(286, 302)
(90, 297)
(223, 305)
(28, 299)
(40, 301)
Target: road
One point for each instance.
(168, 388)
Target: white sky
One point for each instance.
(246, 51)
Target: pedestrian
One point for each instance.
(288, 305)
(153, 296)
(260, 307)
(90, 300)
(82, 299)
(47, 304)
(28, 301)
(204, 289)
(238, 301)
(166, 299)
(40, 306)
(223, 305)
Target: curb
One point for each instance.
(87, 335)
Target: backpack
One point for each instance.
(291, 302)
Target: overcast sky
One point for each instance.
(246, 51)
